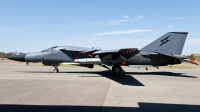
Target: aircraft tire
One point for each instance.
(55, 71)
(117, 70)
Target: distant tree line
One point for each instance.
(5, 55)
(194, 57)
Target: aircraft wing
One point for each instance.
(89, 51)
(79, 50)
(126, 52)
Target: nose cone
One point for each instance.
(17, 57)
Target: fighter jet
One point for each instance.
(166, 50)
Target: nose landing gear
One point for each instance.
(56, 70)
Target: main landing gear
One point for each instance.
(117, 70)
(56, 70)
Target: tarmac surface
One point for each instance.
(37, 89)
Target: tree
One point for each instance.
(5, 55)
(2, 54)
(192, 57)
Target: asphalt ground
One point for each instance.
(37, 89)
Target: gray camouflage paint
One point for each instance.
(170, 43)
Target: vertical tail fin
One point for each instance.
(170, 43)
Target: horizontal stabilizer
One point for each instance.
(179, 57)
(162, 54)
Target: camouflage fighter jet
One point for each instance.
(166, 50)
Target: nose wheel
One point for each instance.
(56, 70)
(117, 69)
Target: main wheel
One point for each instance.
(117, 70)
(55, 71)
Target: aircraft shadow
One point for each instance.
(108, 72)
(143, 107)
(164, 73)
(126, 79)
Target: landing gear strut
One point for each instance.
(117, 69)
(56, 70)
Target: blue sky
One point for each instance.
(30, 26)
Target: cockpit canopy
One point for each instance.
(50, 49)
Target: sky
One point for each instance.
(34, 25)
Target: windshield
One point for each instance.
(50, 49)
